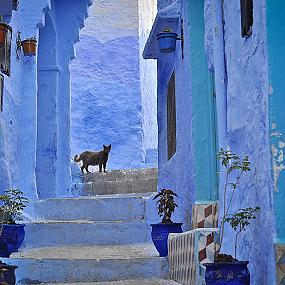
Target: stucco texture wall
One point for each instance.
(248, 134)
(18, 118)
(177, 173)
(19, 154)
(107, 92)
(148, 77)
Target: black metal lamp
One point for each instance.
(5, 47)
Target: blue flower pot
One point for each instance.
(11, 239)
(167, 41)
(227, 273)
(159, 235)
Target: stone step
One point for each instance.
(57, 233)
(88, 264)
(121, 175)
(118, 207)
(126, 282)
(114, 187)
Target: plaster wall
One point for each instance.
(275, 13)
(19, 118)
(191, 172)
(148, 77)
(248, 134)
(177, 173)
(112, 101)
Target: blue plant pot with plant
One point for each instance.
(161, 231)
(231, 273)
(11, 239)
(167, 41)
(227, 270)
(11, 234)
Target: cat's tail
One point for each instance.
(77, 158)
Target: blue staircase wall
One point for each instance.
(113, 91)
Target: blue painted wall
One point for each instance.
(20, 155)
(204, 127)
(148, 82)
(18, 119)
(191, 172)
(248, 134)
(110, 87)
(177, 173)
(276, 43)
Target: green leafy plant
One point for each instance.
(240, 220)
(233, 169)
(166, 204)
(13, 203)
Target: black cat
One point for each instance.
(94, 158)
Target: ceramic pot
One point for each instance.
(227, 273)
(29, 47)
(11, 239)
(159, 235)
(167, 41)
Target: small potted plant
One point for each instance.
(12, 234)
(160, 231)
(29, 46)
(167, 40)
(227, 269)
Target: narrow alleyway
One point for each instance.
(108, 241)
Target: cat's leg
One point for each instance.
(100, 167)
(87, 168)
(82, 168)
(104, 166)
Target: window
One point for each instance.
(246, 12)
(171, 117)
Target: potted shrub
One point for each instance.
(12, 234)
(160, 231)
(227, 269)
(29, 46)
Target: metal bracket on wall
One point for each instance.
(18, 45)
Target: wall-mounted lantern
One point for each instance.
(167, 40)
(5, 47)
(29, 46)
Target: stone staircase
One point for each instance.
(94, 237)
